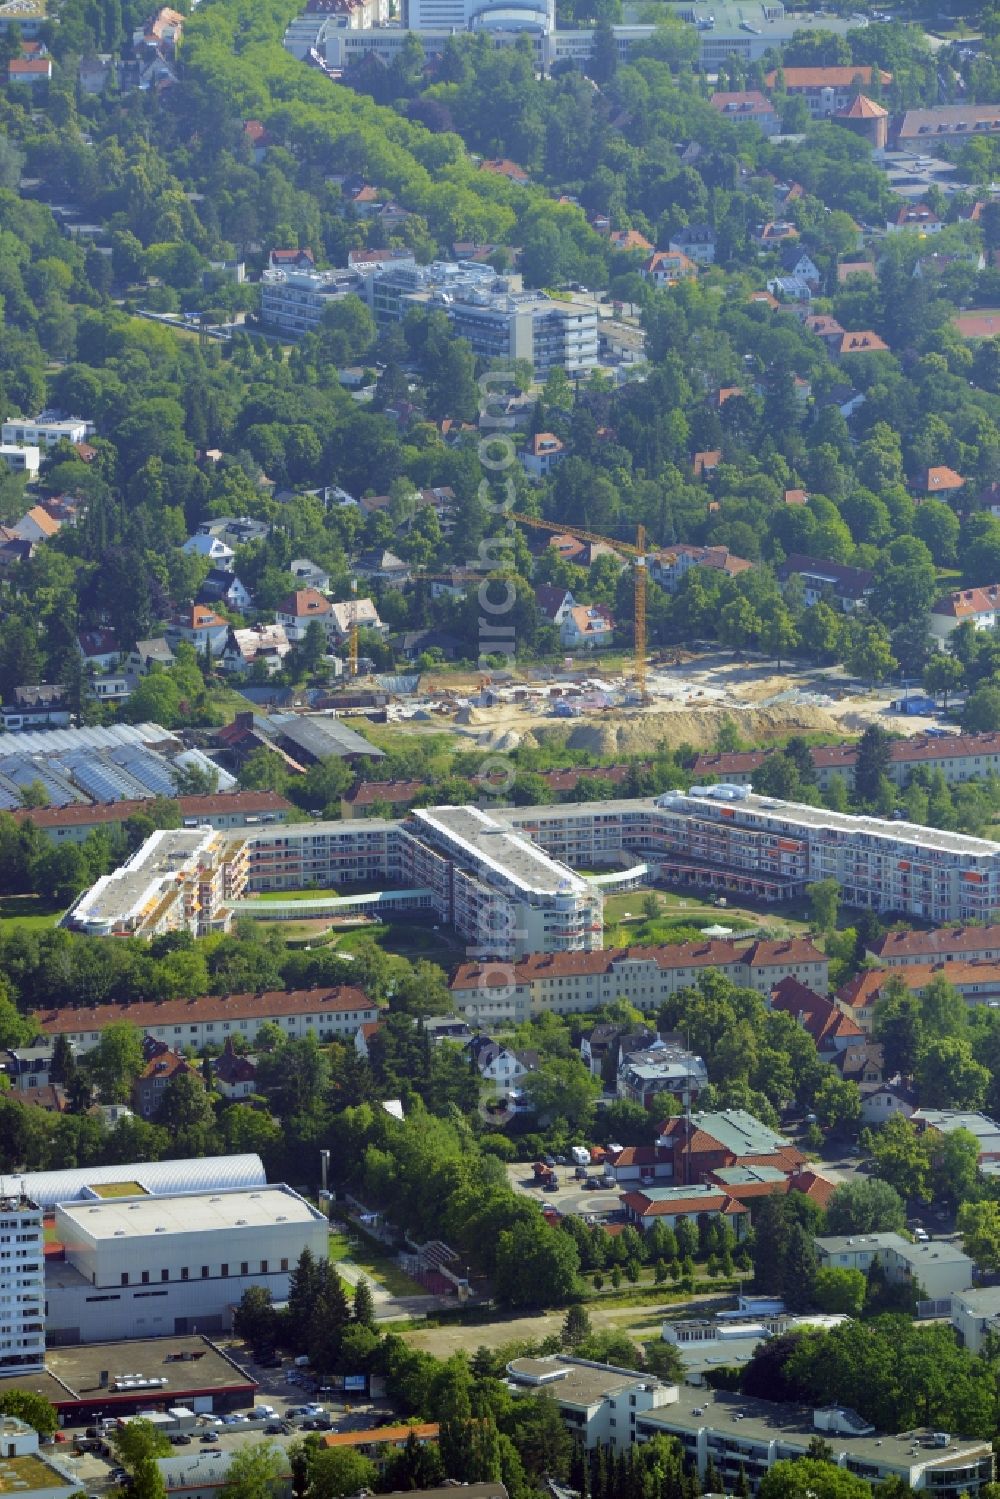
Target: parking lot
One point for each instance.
(570, 1195)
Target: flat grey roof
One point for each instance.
(853, 1243)
(488, 840)
(768, 1421)
(583, 1384)
(196, 1212)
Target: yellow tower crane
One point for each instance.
(638, 552)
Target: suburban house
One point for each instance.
(100, 649)
(981, 606)
(268, 644)
(646, 1206)
(309, 574)
(36, 525)
(603, 1046)
(296, 611)
(541, 454)
(847, 586)
(554, 602)
(915, 216)
(830, 1028)
(218, 552)
(747, 107)
(667, 267)
(234, 1073)
(499, 1065)
(42, 705)
(151, 1084)
(863, 342)
(360, 612)
(148, 653)
(223, 587)
(645, 1075)
(932, 482)
(201, 627)
(668, 568)
(696, 241)
(587, 627)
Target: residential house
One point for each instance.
(881, 1102)
(825, 327)
(381, 1444)
(920, 128)
(42, 705)
(499, 1065)
(587, 627)
(554, 603)
(100, 649)
(625, 240)
(309, 574)
(161, 31)
(847, 586)
(603, 1046)
(364, 799)
(291, 260)
(541, 454)
(981, 606)
(773, 235)
(297, 610)
(218, 552)
(828, 1026)
(796, 262)
(916, 216)
(361, 612)
(843, 398)
(223, 587)
(790, 290)
(705, 463)
(29, 71)
(827, 91)
(669, 567)
(502, 167)
(696, 241)
(47, 429)
(978, 981)
(412, 644)
(201, 627)
(747, 107)
(937, 483)
(36, 524)
(266, 643)
(657, 1069)
(152, 1082)
(27, 1068)
(865, 342)
(667, 267)
(383, 566)
(148, 653)
(234, 1074)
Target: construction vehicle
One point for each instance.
(625, 548)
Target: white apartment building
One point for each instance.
(331, 1014)
(22, 1285)
(939, 1266)
(573, 982)
(295, 300)
(46, 430)
(21, 460)
(146, 1267)
(725, 838)
(179, 880)
(600, 1403)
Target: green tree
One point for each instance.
(536, 1265)
(364, 1304)
(840, 1291)
(807, 1479)
(979, 1225)
(824, 902)
(869, 653)
(29, 1407)
(943, 675)
(255, 1319)
(866, 1205)
(576, 1327)
(949, 1077)
(336, 1472)
(116, 1061)
(256, 1471)
(900, 1156)
(872, 762)
(138, 1443)
(981, 714)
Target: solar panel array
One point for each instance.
(111, 763)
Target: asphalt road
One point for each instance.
(570, 1198)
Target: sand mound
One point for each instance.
(638, 734)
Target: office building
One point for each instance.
(295, 300)
(144, 1267)
(179, 880)
(742, 1436)
(22, 1319)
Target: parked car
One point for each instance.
(278, 1428)
(210, 1436)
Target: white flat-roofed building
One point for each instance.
(938, 1267)
(23, 1468)
(975, 1314)
(21, 459)
(141, 1267)
(598, 1402)
(295, 300)
(46, 430)
(202, 1474)
(178, 880)
(22, 1310)
(741, 1434)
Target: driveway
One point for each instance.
(570, 1198)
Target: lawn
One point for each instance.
(325, 894)
(376, 1262)
(28, 912)
(407, 939)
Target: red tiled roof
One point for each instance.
(426, 1432)
(715, 1202)
(369, 792)
(863, 108)
(939, 942)
(865, 342)
(304, 602)
(248, 803)
(817, 1014)
(964, 603)
(863, 990)
(850, 268)
(832, 77)
(701, 954)
(30, 67)
(341, 999)
(981, 324)
(165, 1064)
(939, 480)
(502, 167)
